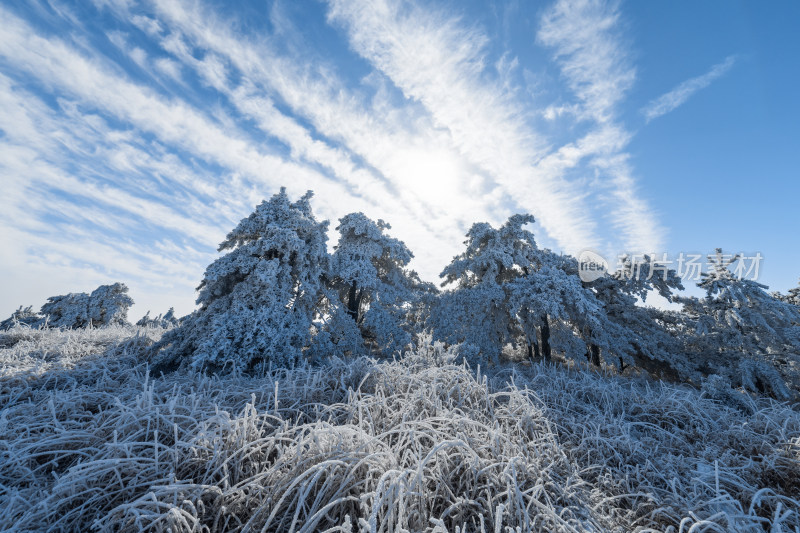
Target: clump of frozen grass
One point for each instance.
(93, 442)
(668, 458)
(34, 351)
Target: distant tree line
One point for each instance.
(278, 296)
(106, 305)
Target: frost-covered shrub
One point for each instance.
(68, 310)
(760, 376)
(436, 353)
(106, 305)
(25, 316)
(258, 301)
(792, 297)
(719, 388)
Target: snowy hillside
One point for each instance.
(90, 441)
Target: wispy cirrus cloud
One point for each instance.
(125, 184)
(588, 46)
(680, 94)
(159, 135)
(77, 204)
(587, 43)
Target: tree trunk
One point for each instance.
(593, 355)
(358, 306)
(533, 351)
(546, 338)
(353, 300)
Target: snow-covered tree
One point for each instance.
(106, 305)
(739, 314)
(634, 335)
(510, 291)
(794, 296)
(553, 300)
(740, 326)
(24, 315)
(258, 301)
(478, 310)
(374, 287)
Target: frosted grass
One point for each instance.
(90, 441)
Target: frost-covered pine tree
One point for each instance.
(794, 296)
(553, 300)
(738, 314)
(740, 326)
(478, 310)
(375, 290)
(258, 301)
(106, 305)
(169, 319)
(635, 334)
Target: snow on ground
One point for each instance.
(90, 441)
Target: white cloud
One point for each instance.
(57, 222)
(148, 25)
(121, 41)
(586, 40)
(139, 57)
(118, 39)
(173, 121)
(677, 96)
(169, 68)
(76, 138)
(256, 105)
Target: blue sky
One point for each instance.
(134, 135)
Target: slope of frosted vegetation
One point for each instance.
(89, 441)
